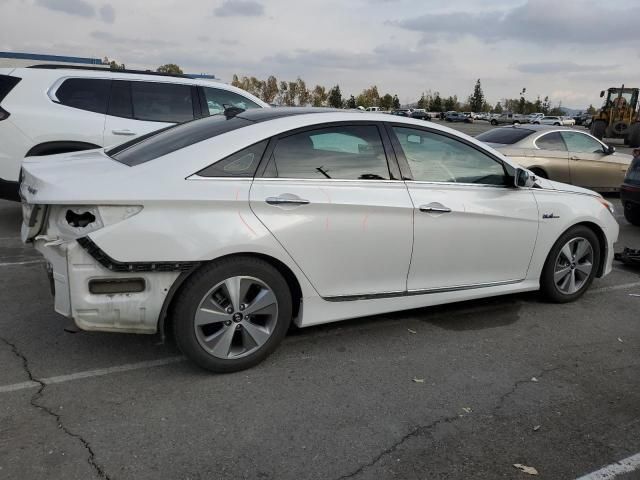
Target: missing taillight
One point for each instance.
(79, 220)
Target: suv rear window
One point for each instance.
(162, 102)
(168, 140)
(89, 94)
(504, 136)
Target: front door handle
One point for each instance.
(435, 207)
(574, 158)
(286, 199)
(123, 132)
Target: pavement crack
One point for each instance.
(34, 401)
(503, 398)
(414, 432)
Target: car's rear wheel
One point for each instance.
(232, 314)
(571, 265)
(632, 213)
(557, 124)
(494, 122)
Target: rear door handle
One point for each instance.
(286, 199)
(574, 158)
(123, 132)
(434, 207)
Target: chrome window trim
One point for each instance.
(425, 291)
(560, 130)
(481, 185)
(317, 180)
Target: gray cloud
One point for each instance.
(239, 8)
(562, 67)
(380, 56)
(107, 13)
(121, 40)
(540, 21)
(72, 7)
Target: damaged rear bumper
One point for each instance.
(129, 302)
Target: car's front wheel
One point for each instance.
(231, 314)
(632, 214)
(571, 265)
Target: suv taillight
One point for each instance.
(7, 82)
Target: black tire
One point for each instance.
(632, 214)
(557, 124)
(548, 286)
(634, 135)
(598, 129)
(538, 172)
(494, 122)
(196, 288)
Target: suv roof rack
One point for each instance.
(55, 66)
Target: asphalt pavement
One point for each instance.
(462, 391)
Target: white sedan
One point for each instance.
(550, 120)
(231, 227)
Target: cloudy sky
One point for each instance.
(567, 49)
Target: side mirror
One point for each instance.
(610, 150)
(524, 178)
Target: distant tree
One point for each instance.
(545, 106)
(396, 101)
(270, 89)
(304, 96)
(476, 101)
(436, 104)
(292, 93)
(335, 97)
(386, 102)
(591, 110)
(451, 103)
(113, 65)
(351, 103)
(557, 110)
(319, 96)
(283, 93)
(498, 108)
(537, 106)
(421, 102)
(522, 102)
(170, 68)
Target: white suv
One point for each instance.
(49, 109)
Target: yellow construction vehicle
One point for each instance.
(619, 116)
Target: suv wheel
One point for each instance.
(232, 314)
(632, 214)
(571, 265)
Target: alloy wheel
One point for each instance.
(236, 317)
(573, 265)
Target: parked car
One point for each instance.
(561, 154)
(535, 116)
(550, 120)
(221, 229)
(401, 112)
(373, 109)
(49, 109)
(630, 193)
(581, 118)
(509, 118)
(458, 117)
(420, 114)
(568, 121)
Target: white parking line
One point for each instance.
(25, 262)
(627, 465)
(91, 373)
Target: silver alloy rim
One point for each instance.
(236, 317)
(573, 265)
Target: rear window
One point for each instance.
(88, 94)
(158, 144)
(633, 174)
(6, 85)
(162, 102)
(505, 136)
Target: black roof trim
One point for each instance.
(52, 66)
(265, 114)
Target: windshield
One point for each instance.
(165, 141)
(505, 136)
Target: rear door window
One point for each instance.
(346, 152)
(88, 94)
(162, 102)
(581, 143)
(551, 141)
(120, 100)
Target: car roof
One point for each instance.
(538, 128)
(263, 115)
